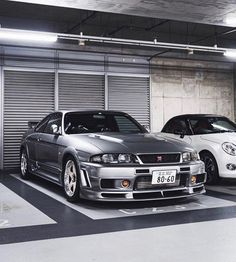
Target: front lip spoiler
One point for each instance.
(129, 196)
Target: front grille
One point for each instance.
(159, 195)
(148, 195)
(107, 183)
(142, 171)
(159, 158)
(145, 182)
(200, 178)
(110, 195)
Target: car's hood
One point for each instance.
(220, 137)
(134, 143)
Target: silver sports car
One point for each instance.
(107, 155)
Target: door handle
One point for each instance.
(39, 139)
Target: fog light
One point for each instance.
(194, 179)
(125, 183)
(231, 166)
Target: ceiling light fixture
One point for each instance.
(230, 53)
(231, 20)
(28, 36)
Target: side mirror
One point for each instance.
(55, 129)
(182, 133)
(147, 128)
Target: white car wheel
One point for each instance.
(211, 167)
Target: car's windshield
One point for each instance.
(208, 125)
(77, 122)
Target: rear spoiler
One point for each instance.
(32, 124)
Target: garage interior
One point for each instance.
(114, 62)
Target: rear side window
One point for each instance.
(41, 125)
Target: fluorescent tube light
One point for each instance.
(27, 36)
(231, 21)
(230, 53)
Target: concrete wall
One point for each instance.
(184, 86)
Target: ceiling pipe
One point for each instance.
(152, 44)
(24, 35)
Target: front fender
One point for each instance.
(213, 148)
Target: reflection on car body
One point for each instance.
(107, 155)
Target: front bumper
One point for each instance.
(104, 183)
(223, 160)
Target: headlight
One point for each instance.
(229, 148)
(107, 158)
(195, 156)
(190, 156)
(124, 158)
(113, 158)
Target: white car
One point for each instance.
(214, 138)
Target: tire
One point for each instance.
(211, 168)
(24, 165)
(71, 180)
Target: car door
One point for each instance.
(48, 148)
(178, 128)
(32, 142)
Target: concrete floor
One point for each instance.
(37, 224)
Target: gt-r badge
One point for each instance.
(159, 158)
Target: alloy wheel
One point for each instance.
(23, 164)
(70, 178)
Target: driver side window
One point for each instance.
(176, 126)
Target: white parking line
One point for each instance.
(109, 211)
(16, 212)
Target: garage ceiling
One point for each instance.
(185, 22)
(213, 12)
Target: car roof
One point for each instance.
(197, 116)
(91, 111)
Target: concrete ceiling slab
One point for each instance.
(214, 12)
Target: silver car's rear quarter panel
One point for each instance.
(104, 182)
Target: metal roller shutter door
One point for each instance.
(28, 96)
(81, 91)
(131, 95)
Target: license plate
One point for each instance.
(163, 177)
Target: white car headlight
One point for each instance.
(229, 148)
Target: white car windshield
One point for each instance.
(208, 125)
